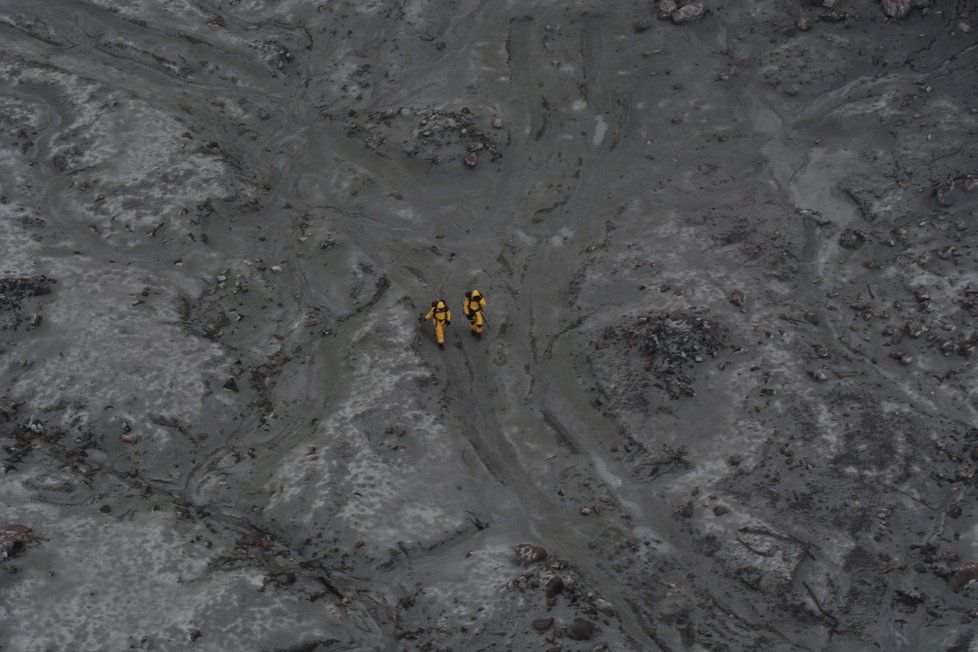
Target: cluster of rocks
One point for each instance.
(667, 346)
(434, 135)
(556, 578)
(901, 8)
(679, 11)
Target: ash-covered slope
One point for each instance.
(724, 401)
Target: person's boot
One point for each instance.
(441, 345)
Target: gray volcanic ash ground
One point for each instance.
(726, 399)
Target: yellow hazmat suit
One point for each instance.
(441, 316)
(473, 306)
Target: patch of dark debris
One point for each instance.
(666, 347)
(434, 135)
(14, 289)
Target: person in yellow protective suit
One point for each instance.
(473, 306)
(440, 316)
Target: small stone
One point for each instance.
(557, 564)
(541, 624)
(955, 511)
(803, 24)
(687, 13)
(604, 607)
(737, 297)
(735, 460)
(105, 509)
(817, 375)
(641, 26)
(471, 159)
(665, 8)
(966, 473)
(581, 630)
(216, 21)
(821, 351)
(195, 634)
(586, 510)
(914, 328)
(685, 510)
(555, 586)
(720, 510)
(897, 8)
(231, 384)
(967, 572)
(528, 553)
(851, 239)
(129, 438)
(497, 123)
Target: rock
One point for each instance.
(581, 630)
(735, 460)
(687, 13)
(471, 159)
(497, 123)
(803, 24)
(914, 328)
(216, 21)
(685, 511)
(604, 607)
(195, 634)
(737, 297)
(900, 8)
(664, 8)
(967, 572)
(129, 438)
(213, 319)
(851, 239)
(720, 510)
(955, 511)
(555, 586)
(901, 357)
(586, 510)
(641, 26)
(817, 375)
(821, 351)
(541, 624)
(231, 384)
(528, 553)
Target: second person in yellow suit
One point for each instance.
(473, 306)
(440, 316)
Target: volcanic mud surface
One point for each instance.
(726, 398)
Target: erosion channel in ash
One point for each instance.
(725, 398)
